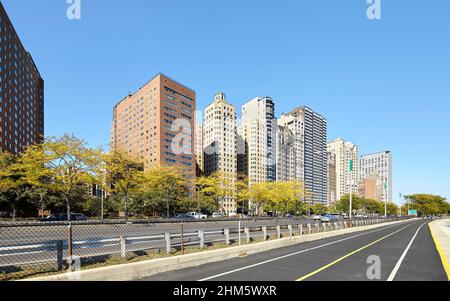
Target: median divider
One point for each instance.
(139, 270)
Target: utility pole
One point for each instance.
(385, 202)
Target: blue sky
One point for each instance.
(383, 84)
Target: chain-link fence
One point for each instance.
(36, 249)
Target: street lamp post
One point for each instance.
(351, 194)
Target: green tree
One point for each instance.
(167, 184)
(260, 195)
(125, 175)
(69, 162)
(428, 204)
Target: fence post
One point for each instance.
(279, 231)
(59, 254)
(300, 227)
(123, 247)
(247, 234)
(324, 227)
(309, 229)
(264, 229)
(201, 234)
(168, 243)
(239, 226)
(290, 230)
(227, 236)
(336, 226)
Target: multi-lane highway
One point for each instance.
(401, 252)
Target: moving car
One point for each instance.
(185, 217)
(62, 217)
(217, 215)
(329, 218)
(317, 217)
(196, 215)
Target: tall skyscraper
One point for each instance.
(313, 131)
(259, 135)
(156, 124)
(345, 152)
(199, 153)
(220, 148)
(21, 92)
(381, 165)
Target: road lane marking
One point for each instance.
(350, 254)
(445, 261)
(296, 253)
(400, 261)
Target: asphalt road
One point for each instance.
(405, 252)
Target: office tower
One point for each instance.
(199, 154)
(380, 164)
(21, 92)
(371, 188)
(332, 198)
(259, 135)
(220, 148)
(156, 124)
(313, 128)
(345, 152)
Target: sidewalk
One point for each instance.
(440, 231)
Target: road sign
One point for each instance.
(412, 212)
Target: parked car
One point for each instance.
(196, 215)
(317, 217)
(62, 217)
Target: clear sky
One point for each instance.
(382, 84)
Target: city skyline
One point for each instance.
(388, 124)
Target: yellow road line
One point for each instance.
(441, 254)
(348, 255)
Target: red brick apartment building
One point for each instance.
(156, 124)
(21, 92)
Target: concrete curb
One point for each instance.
(442, 241)
(139, 270)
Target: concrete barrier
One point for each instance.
(139, 270)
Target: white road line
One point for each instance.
(400, 261)
(299, 252)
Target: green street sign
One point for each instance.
(412, 212)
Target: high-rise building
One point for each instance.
(156, 124)
(286, 163)
(332, 198)
(313, 131)
(371, 187)
(220, 148)
(21, 92)
(291, 159)
(199, 153)
(345, 152)
(259, 135)
(380, 164)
